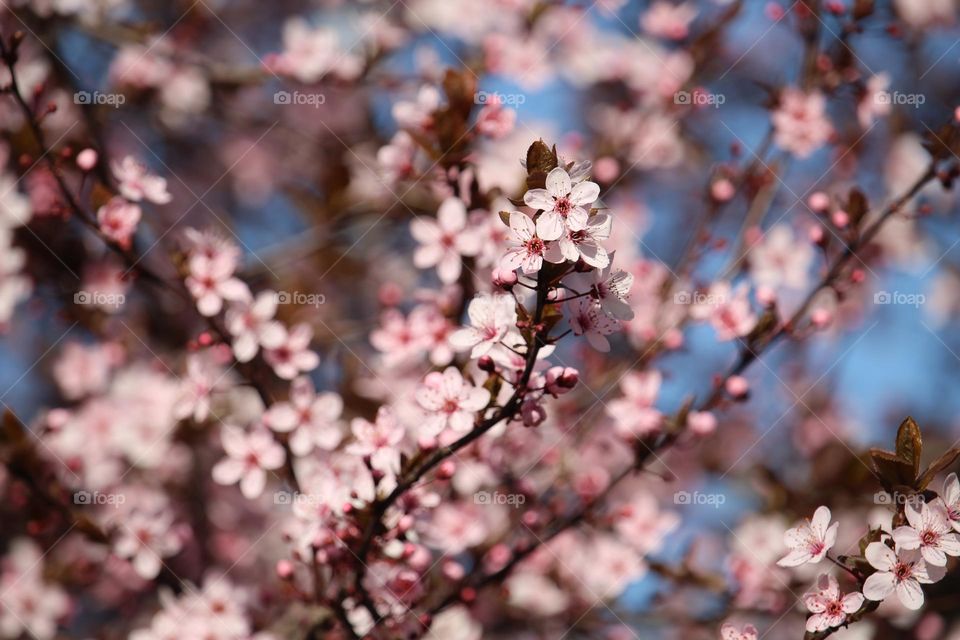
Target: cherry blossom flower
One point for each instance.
(491, 318)
(951, 500)
(633, 414)
(145, 538)
(727, 309)
(311, 417)
(495, 120)
(418, 115)
(378, 440)
(781, 260)
(118, 220)
(311, 53)
(584, 244)
(15, 208)
(202, 380)
(397, 159)
(564, 205)
(800, 122)
(137, 184)
(249, 456)
(811, 540)
(587, 319)
(252, 326)
(29, 606)
(643, 525)
(611, 289)
(667, 20)
(83, 370)
(930, 531)
(292, 355)
(828, 606)
(526, 249)
(450, 401)
(730, 632)
(211, 281)
(444, 242)
(902, 572)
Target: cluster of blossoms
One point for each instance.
(118, 218)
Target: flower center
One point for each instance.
(929, 538)
(902, 571)
(562, 206)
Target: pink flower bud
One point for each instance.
(284, 569)
(840, 219)
(702, 423)
(87, 159)
(606, 169)
(722, 190)
(560, 380)
(503, 278)
(446, 469)
(453, 570)
(819, 202)
(737, 386)
(766, 296)
(821, 318)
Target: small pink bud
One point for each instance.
(487, 364)
(819, 202)
(766, 296)
(821, 318)
(673, 339)
(87, 159)
(816, 235)
(453, 570)
(840, 219)
(446, 469)
(857, 276)
(702, 423)
(722, 190)
(956, 114)
(284, 569)
(504, 278)
(606, 169)
(737, 386)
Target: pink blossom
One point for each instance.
(585, 244)
(811, 540)
(728, 310)
(82, 370)
(450, 401)
(780, 259)
(211, 281)
(444, 242)
(197, 388)
(667, 20)
(643, 525)
(418, 115)
(495, 120)
(292, 355)
(564, 205)
(525, 250)
(491, 318)
(902, 572)
(730, 632)
(587, 319)
(137, 184)
(311, 53)
(634, 415)
(311, 417)
(800, 122)
(145, 538)
(118, 220)
(828, 606)
(378, 440)
(252, 326)
(29, 605)
(249, 456)
(611, 289)
(951, 500)
(930, 531)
